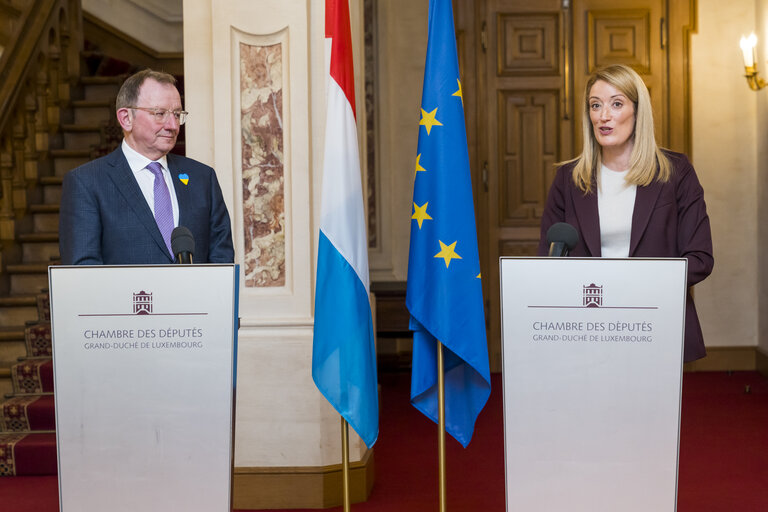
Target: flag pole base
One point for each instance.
(345, 463)
(441, 425)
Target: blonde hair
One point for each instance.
(646, 162)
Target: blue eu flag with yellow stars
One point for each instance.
(445, 297)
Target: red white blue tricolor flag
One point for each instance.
(343, 355)
(445, 296)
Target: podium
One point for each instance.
(144, 375)
(592, 355)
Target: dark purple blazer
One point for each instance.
(670, 220)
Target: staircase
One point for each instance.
(27, 416)
(56, 113)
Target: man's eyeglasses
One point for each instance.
(161, 115)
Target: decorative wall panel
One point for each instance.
(528, 122)
(527, 44)
(262, 160)
(619, 37)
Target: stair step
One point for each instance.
(80, 128)
(28, 268)
(6, 388)
(39, 237)
(28, 413)
(40, 251)
(18, 301)
(44, 208)
(91, 104)
(25, 283)
(33, 454)
(102, 80)
(17, 310)
(33, 376)
(38, 339)
(91, 112)
(71, 153)
(45, 221)
(12, 352)
(81, 135)
(50, 180)
(26, 278)
(13, 333)
(18, 315)
(101, 87)
(63, 165)
(51, 188)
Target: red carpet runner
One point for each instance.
(723, 454)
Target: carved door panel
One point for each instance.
(532, 63)
(628, 32)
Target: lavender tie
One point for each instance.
(163, 208)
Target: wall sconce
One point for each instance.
(748, 45)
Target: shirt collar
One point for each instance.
(137, 161)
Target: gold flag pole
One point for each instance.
(345, 462)
(441, 423)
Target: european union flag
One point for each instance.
(445, 296)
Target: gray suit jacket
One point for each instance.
(105, 220)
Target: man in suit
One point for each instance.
(121, 208)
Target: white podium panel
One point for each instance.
(592, 367)
(143, 372)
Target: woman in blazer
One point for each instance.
(627, 197)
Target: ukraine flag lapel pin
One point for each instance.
(184, 178)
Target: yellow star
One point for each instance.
(480, 275)
(420, 213)
(447, 252)
(428, 120)
(418, 165)
(459, 93)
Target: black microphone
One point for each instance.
(562, 237)
(182, 244)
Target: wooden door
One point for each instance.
(531, 61)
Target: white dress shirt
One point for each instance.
(146, 180)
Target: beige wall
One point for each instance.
(762, 181)
(402, 50)
(725, 156)
(282, 420)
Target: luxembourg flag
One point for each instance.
(343, 354)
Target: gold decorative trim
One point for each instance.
(726, 359)
(301, 487)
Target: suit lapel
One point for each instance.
(125, 182)
(182, 192)
(585, 206)
(645, 201)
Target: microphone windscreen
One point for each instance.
(564, 233)
(182, 241)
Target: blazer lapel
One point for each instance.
(182, 192)
(125, 182)
(585, 206)
(645, 201)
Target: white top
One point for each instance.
(615, 205)
(138, 164)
